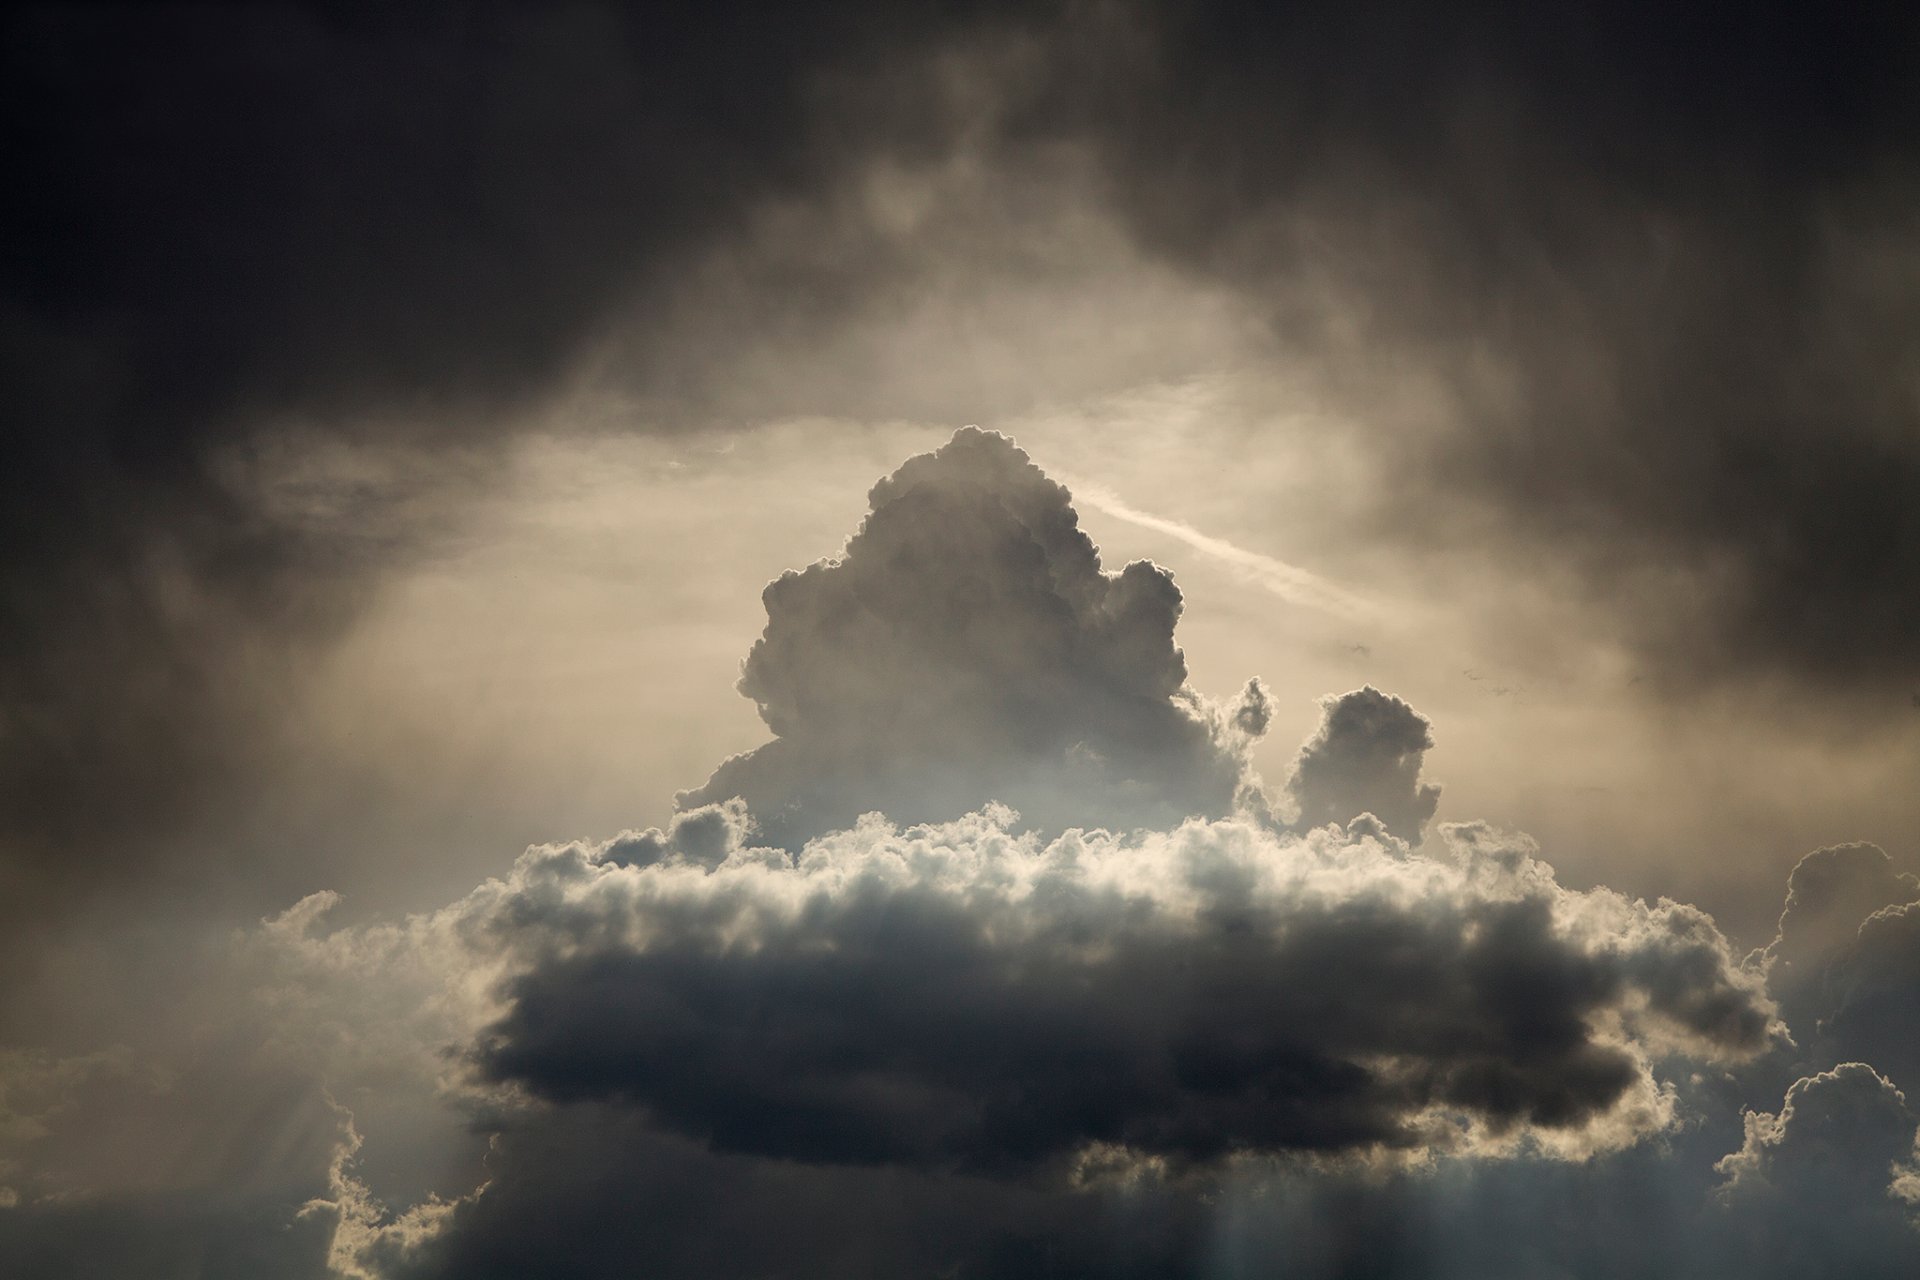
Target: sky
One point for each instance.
(1099, 639)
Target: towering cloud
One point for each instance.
(968, 647)
(1365, 758)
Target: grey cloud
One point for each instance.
(1830, 892)
(967, 647)
(1654, 271)
(1821, 1187)
(376, 227)
(704, 836)
(1365, 758)
(1875, 991)
(1839, 1133)
(591, 1191)
(954, 997)
(1845, 965)
(783, 1068)
(582, 1191)
(1253, 711)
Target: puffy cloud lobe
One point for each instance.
(1365, 758)
(1875, 988)
(703, 837)
(1845, 964)
(1824, 1186)
(1828, 894)
(960, 997)
(1849, 1126)
(967, 647)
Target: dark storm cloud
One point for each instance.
(1875, 987)
(1655, 265)
(966, 647)
(1842, 1134)
(958, 1047)
(953, 997)
(1365, 758)
(1663, 263)
(381, 224)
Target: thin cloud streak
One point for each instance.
(1290, 582)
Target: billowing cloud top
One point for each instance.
(1366, 759)
(966, 646)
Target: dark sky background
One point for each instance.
(405, 409)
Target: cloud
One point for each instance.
(1839, 1134)
(978, 1043)
(1845, 965)
(1874, 988)
(967, 647)
(367, 230)
(955, 996)
(1365, 758)
(1825, 1184)
(1613, 289)
(1829, 893)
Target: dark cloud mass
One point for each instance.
(1658, 260)
(389, 227)
(950, 997)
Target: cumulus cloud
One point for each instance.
(967, 647)
(1840, 1132)
(1845, 964)
(1875, 993)
(960, 996)
(1825, 1185)
(1829, 893)
(1008, 1041)
(1365, 758)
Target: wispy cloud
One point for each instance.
(1290, 582)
